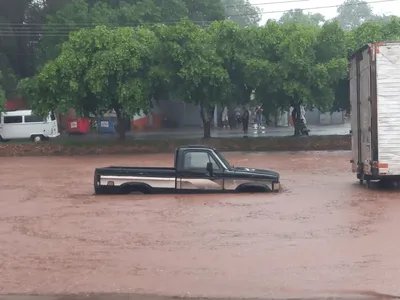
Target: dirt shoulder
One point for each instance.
(340, 295)
(59, 148)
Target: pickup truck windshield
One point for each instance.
(222, 158)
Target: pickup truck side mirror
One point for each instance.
(210, 168)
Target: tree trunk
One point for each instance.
(296, 127)
(120, 126)
(296, 119)
(276, 117)
(207, 129)
(247, 95)
(206, 115)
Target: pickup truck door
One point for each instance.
(194, 175)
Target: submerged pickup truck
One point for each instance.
(198, 169)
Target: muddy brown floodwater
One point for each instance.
(322, 234)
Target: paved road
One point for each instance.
(219, 133)
(323, 234)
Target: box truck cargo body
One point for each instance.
(375, 111)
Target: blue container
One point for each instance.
(106, 126)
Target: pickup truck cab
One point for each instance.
(198, 169)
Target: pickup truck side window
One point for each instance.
(198, 160)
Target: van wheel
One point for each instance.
(37, 138)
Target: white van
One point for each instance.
(23, 124)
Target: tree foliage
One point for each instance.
(2, 95)
(100, 55)
(298, 16)
(242, 12)
(286, 73)
(32, 31)
(352, 13)
(98, 70)
(194, 68)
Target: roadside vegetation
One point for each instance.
(101, 55)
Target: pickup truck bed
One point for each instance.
(135, 170)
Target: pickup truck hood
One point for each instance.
(259, 173)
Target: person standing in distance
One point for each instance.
(259, 112)
(245, 119)
(225, 120)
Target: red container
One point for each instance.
(81, 126)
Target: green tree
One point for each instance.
(193, 68)
(87, 14)
(391, 29)
(98, 70)
(368, 32)
(373, 31)
(8, 77)
(28, 89)
(242, 12)
(263, 68)
(166, 11)
(332, 47)
(298, 16)
(59, 24)
(21, 29)
(288, 70)
(15, 37)
(235, 46)
(2, 96)
(352, 13)
(204, 11)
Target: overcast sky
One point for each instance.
(391, 8)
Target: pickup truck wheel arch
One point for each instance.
(251, 188)
(131, 187)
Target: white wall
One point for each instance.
(186, 114)
(315, 117)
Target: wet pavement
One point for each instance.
(322, 235)
(197, 132)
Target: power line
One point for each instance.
(173, 22)
(63, 30)
(267, 3)
(201, 22)
(318, 7)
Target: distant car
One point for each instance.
(23, 124)
(198, 169)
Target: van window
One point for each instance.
(53, 116)
(33, 119)
(12, 119)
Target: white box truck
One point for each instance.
(375, 112)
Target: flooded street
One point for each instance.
(322, 234)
